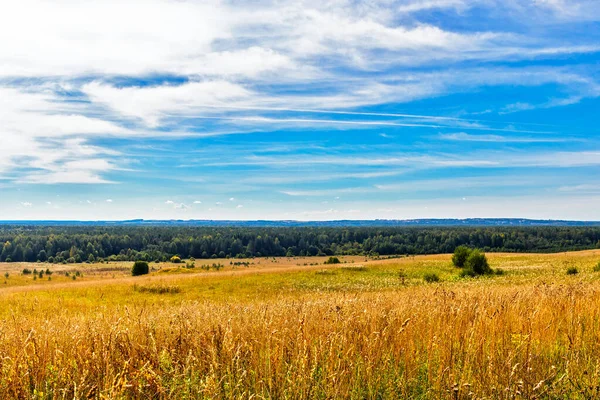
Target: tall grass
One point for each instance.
(324, 333)
(426, 342)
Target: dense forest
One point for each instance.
(130, 243)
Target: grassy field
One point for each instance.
(297, 328)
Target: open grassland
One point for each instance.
(297, 328)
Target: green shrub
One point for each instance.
(572, 271)
(431, 277)
(459, 258)
(477, 264)
(176, 260)
(597, 267)
(140, 268)
(332, 260)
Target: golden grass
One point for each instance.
(366, 329)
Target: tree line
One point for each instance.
(133, 243)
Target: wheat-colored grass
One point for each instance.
(365, 330)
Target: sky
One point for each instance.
(299, 110)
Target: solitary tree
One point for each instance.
(140, 268)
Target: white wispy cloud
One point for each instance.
(466, 137)
(246, 67)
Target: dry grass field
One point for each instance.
(295, 328)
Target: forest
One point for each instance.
(80, 244)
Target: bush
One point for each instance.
(431, 277)
(597, 267)
(332, 260)
(140, 268)
(176, 260)
(459, 258)
(572, 271)
(477, 263)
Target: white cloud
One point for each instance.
(466, 137)
(197, 202)
(431, 4)
(153, 103)
(269, 58)
(71, 38)
(27, 204)
(231, 199)
(109, 200)
(169, 202)
(240, 206)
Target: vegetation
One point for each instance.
(139, 268)
(78, 244)
(472, 261)
(431, 277)
(477, 263)
(572, 271)
(279, 329)
(459, 258)
(332, 260)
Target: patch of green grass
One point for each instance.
(431, 277)
(326, 272)
(355, 268)
(157, 289)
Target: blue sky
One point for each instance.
(306, 110)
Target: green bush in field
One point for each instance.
(597, 267)
(459, 258)
(332, 260)
(140, 268)
(572, 271)
(430, 277)
(476, 264)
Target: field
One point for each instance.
(298, 328)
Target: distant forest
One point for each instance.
(130, 243)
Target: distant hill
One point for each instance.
(335, 223)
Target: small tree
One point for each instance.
(176, 260)
(459, 258)
(332, 260)
(477, 264)
(140, 268)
